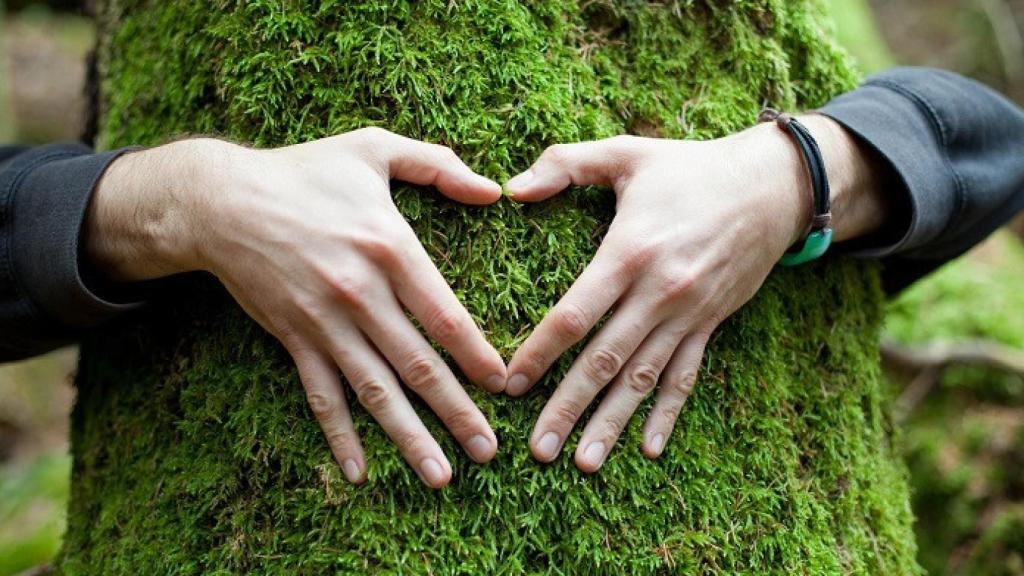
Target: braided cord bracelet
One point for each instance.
(818, 237)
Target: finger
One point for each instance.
(599, 362)
(600, 162)
(320, 379)
(378, 391)
(600, 285)
(631, 386)
(436, 165)
(425, 293)
(425, 372)
(677, 382)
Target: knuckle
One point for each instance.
(447, 154)
(678, 284)
(445, 324)
(349, 289)
(421, 373)
(570, 322)
(642, 379)
(621, 139)
(409, 442)
(602, 365)
(715, 317)
(637, 253)
(379, 247)
(372, 394)
(557, 154)
(373, 133)
(338, 437)
(292, 340)
(460, 420)
(683, 383)
(566, 414)
(614, 424)
(537, 360)
(323, 406)
(670, 413)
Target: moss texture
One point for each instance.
(194, 451)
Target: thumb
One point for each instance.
(601, 163)
(435, 165)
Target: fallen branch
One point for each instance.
(939, 355)
(922, 365)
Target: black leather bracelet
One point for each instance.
(819, 235)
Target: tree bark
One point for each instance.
(194, 451)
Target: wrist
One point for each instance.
(858, 204)
(145, 215)
(781, 183)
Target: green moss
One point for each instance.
(194, 451)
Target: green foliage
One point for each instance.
(857, 32)
(976, 297)
(194, 451)
(965, 444)
(32, 500)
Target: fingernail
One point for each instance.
(594, 454)
(657, 442)
(517, 383)
(351, 470)
(547, 448)
(520, 180)
(479, 448)
(431, 471)
(495, 383)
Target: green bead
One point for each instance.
(815, 245)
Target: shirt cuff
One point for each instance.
(50, 199)
(897, 124)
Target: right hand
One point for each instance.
(309, 242)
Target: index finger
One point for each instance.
(424, 292)
(436, 165)
(600, 285)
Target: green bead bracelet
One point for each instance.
(815, 245)
(819, 235)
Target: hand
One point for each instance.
(309, 242)
(698, 227)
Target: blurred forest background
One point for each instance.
(954, 342)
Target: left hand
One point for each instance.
(698, 227)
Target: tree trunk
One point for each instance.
(194, 451)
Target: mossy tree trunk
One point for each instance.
(194, 451)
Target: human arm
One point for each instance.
(45, 300)
(955, 149)
(699, 225)
(308, 241)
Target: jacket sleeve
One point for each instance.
(957, 150)
(44, 297)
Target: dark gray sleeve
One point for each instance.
(44, 301)
(956, 149)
